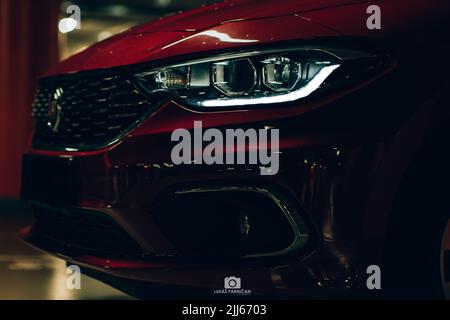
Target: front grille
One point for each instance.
(84, 230)
(86, 113)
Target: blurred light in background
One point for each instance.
(67, 25)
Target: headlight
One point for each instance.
(260, 78)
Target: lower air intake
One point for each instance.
(216, 223)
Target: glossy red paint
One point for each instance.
(398, 17)
(187, 33)
(171, 44)
(234, 11)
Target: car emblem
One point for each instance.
(54, 110)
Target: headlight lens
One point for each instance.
(281, 73)
(259, 78)
(234, 77)
(173, 78)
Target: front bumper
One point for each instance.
(324, 176)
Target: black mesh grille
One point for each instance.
(85, 113)
(84, 230)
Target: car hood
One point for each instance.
(206, 29)
(237, 10)
(242, 24)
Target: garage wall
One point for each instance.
(28, 46)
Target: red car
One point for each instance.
(359, 93)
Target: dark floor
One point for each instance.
(26, 273)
